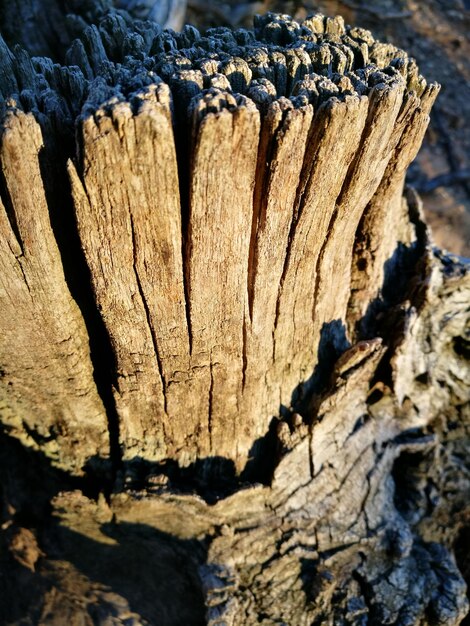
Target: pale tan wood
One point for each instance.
(216, 304)
(222, 178)
(326, 166)
(210, 342)
(129, 218)
(281, 156)
(366, 171)
(385, 223)
(48, 398)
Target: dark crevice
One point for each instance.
(211, 478)
(461, 347)
(413, 484)
(366, 590)
(186, 254)
(25, 278)
(210, 403)
(244, 354)
(10, 211)
(183, 159)
(310, 453)
(283, 276)
(263, 458)
(252, 250)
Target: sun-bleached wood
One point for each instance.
(48, 396)
(219, 227)
(247, 330)
(130, 227)
(285, 365)
(225, 132)
(283, 144)
(385, 221)
(326, 167)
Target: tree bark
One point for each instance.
(234, 371)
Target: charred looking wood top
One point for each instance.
(120, 58)
(237, 194)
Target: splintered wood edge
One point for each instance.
(302, 170)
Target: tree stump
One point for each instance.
(231, 358)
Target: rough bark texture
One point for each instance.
(235, 373)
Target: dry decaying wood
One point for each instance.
(275, 314)
(48, 396)
(201, 371)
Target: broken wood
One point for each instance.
(48, 396)
(283, 343)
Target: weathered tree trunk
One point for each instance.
(234, 372)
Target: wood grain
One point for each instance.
(325, 169)
(130, 224)
(385, 221)
(222, 178)
(287, 354)
(281, 155)
(232, 194)
(48, 397)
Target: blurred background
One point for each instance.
(437, 34)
